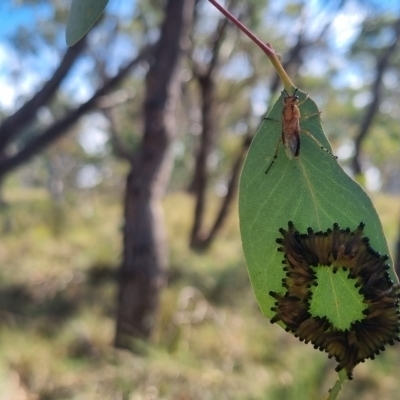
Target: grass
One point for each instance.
(57, 306)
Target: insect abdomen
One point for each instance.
(291, 130)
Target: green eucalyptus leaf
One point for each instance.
(311, 190)
(336, 298)
(82, 16)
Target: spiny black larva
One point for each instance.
(350, 250)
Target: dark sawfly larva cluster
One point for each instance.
(337, 248)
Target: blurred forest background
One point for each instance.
(122, 275)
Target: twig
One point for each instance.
(337, 387)
(265, 47)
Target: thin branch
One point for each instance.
(217, 42)
(302, 44)
(13, 124)
(60, 127)
(206, 80)
(265, 47)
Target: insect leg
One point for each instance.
(303, 101)
(310, 135)
(270, 119)
(275, 155)
(310, 115)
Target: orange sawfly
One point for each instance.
(291, 129)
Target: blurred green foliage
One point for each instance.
(57, 299)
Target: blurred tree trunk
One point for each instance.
(206, 78)
(142, 272)
(382, 64)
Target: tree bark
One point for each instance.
(142, 272)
